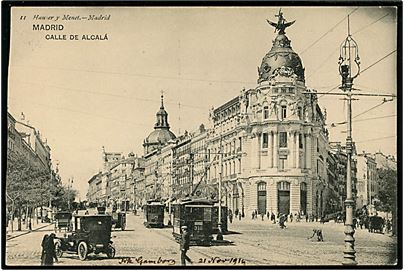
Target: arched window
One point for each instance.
(265, 112)
(283, 186)
(261, 186)
(261, 197)
(303, 198)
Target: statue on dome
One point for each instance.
(282, 23)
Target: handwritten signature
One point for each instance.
(218, 260)
(140, 261)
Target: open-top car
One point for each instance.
(90, 234)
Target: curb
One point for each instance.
(27, 232)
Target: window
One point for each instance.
(265, 112)
(300, 141)
(283, 139)
(299, 112)
(261, 186)
(265, 140)
(317, 145)
(240, 143)
(285, 186)
(283, 112)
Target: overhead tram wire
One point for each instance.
(364, 70)
(361, 29)
(327, 32)
(337, 49)
(377, 139)
(378, 61)
(107, 94)
(136, 75)
(339, 124)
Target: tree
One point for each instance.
(27, 186)
(388, 193)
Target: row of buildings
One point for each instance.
(268, 145)
(23, 139)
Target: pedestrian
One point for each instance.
(318, 233)
(262, 214)
(30, 224)
(49, 250)
(43, 245)
(283, 218)
(253, 215)
(240, 216)
(185, 245)
(230, 217)
(291, 217)
(256, 214)
(273, 218)
(268, 215)
(236, 212)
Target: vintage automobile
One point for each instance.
(154, 214)
(63, 221)
(196, 214)
(375, 224)
(90, 234)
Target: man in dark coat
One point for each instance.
(185, 245)
(49, 250)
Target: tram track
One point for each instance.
(220, 253)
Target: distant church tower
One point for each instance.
(162, 134)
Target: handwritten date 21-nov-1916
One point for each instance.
(218, 260)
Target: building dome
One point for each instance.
(162, 134)
(281, 57)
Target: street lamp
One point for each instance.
(349, 69)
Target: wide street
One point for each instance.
(252, 242)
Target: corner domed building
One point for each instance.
(161, 135)
(274, 140)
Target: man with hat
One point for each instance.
(184, 245)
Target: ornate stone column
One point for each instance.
(275, 149)
(308, 151)
(297, 150)
(290, 146)
(270, 149)
(259, 151)
(252, 151)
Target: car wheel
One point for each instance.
(82, 250)
(110, 252)
(58, 249)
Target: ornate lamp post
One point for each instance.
(349, 69)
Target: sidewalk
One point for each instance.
(24, 230)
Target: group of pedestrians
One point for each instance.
(238, 215)
(48, 250)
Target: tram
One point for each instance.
(196, 214)
(154, 214)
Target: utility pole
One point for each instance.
(191, 168)
(169, 223)
(220, 235)
(349, 69)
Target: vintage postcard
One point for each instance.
(201, 136)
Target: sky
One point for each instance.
(83, 95)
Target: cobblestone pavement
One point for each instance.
(251, 242)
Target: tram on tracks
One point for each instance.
(154, 214)
(196, 214)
